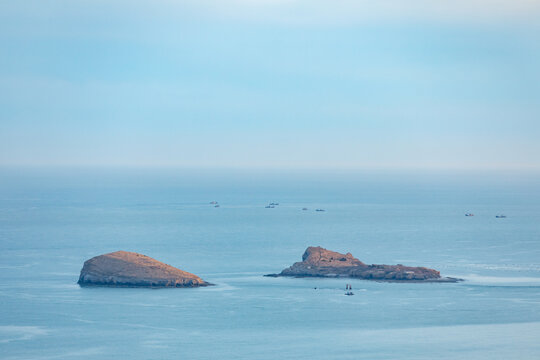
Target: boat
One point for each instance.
(320, 210)
(469, 214)
(217, 205)
(304, 208)
(500, 216)
(273, 204)
(349, 293)
(269, 207)
(213, 202)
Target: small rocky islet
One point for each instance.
(319, 262)
(130, 269)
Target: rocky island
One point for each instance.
(129, 269)
(319, 262)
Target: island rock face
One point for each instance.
(129, 269)
(320, 262)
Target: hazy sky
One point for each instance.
(271, 83)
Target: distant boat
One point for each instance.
(349, 293)
(320, 210)
(469, 214)
(269, 207)
(216, 205)
(213, 202)
(304, 208)
(273, 204)
(500, 216)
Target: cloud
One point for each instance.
(292, 12)
(349, 12)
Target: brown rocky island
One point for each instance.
(319, 262)
(129, 269)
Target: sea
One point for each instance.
(53, 219)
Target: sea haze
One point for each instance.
(51, 221)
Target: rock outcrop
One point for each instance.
(129, 269)
(320, 262)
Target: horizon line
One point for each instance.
(527, 168)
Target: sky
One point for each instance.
(294, 84)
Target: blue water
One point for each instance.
(51, 221)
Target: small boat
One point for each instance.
(500, 216)
(349, 293)
(320, 210)
(213, 202)
(217, 205)
(273, 204)
(304, 209)
(269, 207)
(469, 214)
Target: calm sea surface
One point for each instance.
(52, 221)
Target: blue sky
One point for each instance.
(271, 84)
